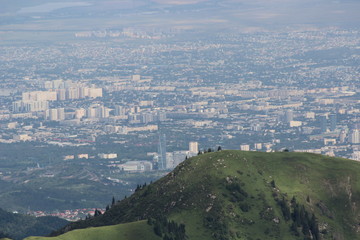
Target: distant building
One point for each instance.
(69, 157)
(39, 96)
(72, 93)
(146, 118)
(258, 146)
(342, 136)
(193, 147)
(355, 155)
(295, 123)
(329, 141)
(79, 113)
(245, 147)
(289, 116)
(162, 152)
(95, 92)
(29, 106)
(120, 110)
(83, 155)
(310, 115)
(22, 137)
(136, 77)
(136, 166)
(354, 136)
(323, 123)
(97, 111)
(55, 114)
(333, 122)
(107, 155)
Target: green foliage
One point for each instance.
(4, 235)
(285, 209)
(301, 219)
(216, 222)
(236, 191)
(18, 226)
(168, 230)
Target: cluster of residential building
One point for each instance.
(252, 95)
(69, 215)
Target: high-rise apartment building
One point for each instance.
(289, 116)
(323, 123)
(193, 147)
(162, 152)
(120, 110)
(333, 122)
(355, 136)
(29, 106)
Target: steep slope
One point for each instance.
(19, 226)
(250, 195)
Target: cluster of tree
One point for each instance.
(168, 230)
(4, 235)
(215, 221)
(139, 187)
(98, 212)
(238, 194)
(18, 226)
(301, 219)
(110, 206)
(209, 150)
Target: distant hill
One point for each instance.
(247, 195)
(18, 226)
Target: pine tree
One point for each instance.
(97, 213)
(314, 228)
(272, 183)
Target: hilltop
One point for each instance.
(248, 195)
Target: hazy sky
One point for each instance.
(57, 15)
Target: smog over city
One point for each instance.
(98, 99)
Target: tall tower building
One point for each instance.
(53, 114)
(193, 147)
(333, 122)
(162, 152)
(119, 110)
(342, 136)
(355, 136)
(72, 93)
(61, 94)
(323, 123)
(289, 116)
(61, 114)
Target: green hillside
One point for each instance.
(19, 226)
(128, 231)
(249, 195)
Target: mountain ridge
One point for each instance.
(249, 195)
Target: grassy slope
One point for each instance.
(197, 194)
(128, 231)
